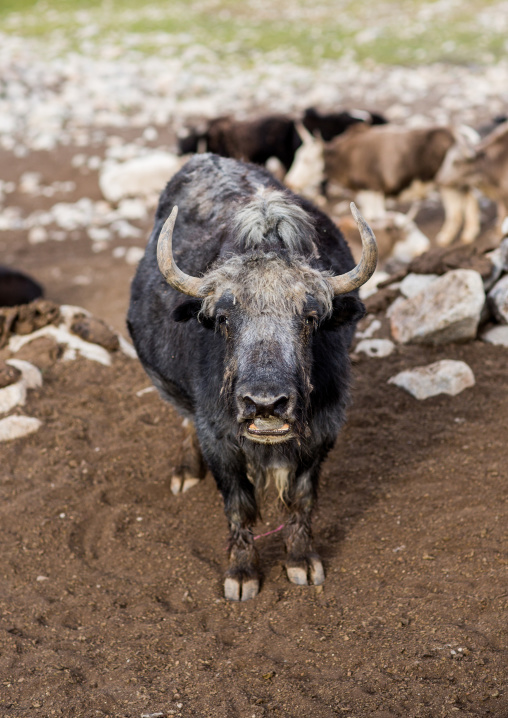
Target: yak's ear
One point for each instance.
(188, 309)
(346, 310)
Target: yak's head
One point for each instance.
(268, 303)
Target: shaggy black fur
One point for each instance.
(187, 353)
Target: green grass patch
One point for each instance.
(406, 32)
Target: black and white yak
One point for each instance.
(242, 312)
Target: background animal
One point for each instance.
(259, 139)
(256, 361)
(483, 165)
(379, 162)
(17, 288)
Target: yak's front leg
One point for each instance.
(192, 468)
(303, 564)
(243, 575)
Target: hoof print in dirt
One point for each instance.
(306, 572)
(96, 331)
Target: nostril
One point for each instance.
(280, 405)
(264, 406)
(249, 406)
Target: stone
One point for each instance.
(15, 427)
(12, 395)
(96, 331)
(415, 283)
(498, 300)
(8, 374)
(496, 335)
(134, 255)
(448, 310)
(371, 285)
(375, 347)
(74, 344)
(30, 373)
(442, 377)
(140, 177)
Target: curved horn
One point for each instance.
(174, 277)
(365, 268)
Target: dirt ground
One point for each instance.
(111, 587)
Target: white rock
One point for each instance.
(139, 177)
(370, 286)
(496, 335)
(498, 300)
(127, 348)
(442, 377)
(373, 326)
(414, 243)
(132, 209)
(12, 395)
(15, 427)
(134, 254)
(375, 347)
(37, 235)
(447, 310)
(125, 229)
(75, 345)
(99, 234)
(415, 283)
(69, 311)
(31, 374)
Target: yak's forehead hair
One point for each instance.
(272, 220)
(266, 283)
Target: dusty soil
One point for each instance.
(111, 593)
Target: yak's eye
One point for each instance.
(311, 320)
(222, 319)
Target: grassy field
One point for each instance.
(409, 32)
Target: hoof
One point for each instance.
(237, 590)
(306, 572)
(180, 485)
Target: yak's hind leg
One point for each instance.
(192, 468)
(303, 565)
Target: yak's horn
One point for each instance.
(174, 277)
(367, 265)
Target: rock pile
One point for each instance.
(443, 296)
(45, 333)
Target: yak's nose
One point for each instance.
(264, 406)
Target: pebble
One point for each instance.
(375, 347)
(15, 427)
(498, 300)
(12, 395)
(141, 177)
(496, 335)
(442, 377)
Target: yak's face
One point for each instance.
(268, 311)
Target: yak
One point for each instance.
(261, 138)
(242, 312)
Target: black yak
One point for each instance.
(242, 311)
